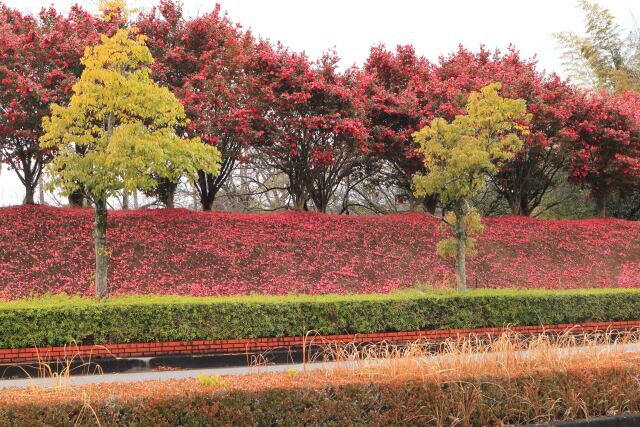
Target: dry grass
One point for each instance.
(509, 355)
(466, 381)
(58, 372)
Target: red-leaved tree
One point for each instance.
(394, 85)
(525, 180)
(314, 128)
(205, 62)
(39, 62)
(605, 133)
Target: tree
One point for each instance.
(314, 132)
(125, 124)
(462, 155)
(606, 145)
(396, 105)
(205, 61)
(40, 61)
(524, 180)
(603, 58)
(222, 98)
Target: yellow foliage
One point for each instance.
(120, 128)
(473, 221)
(461, 155)
(112, 9)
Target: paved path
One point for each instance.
(192, 373)
(127, 377)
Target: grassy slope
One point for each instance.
(193, 253)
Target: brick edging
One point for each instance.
(237, 346)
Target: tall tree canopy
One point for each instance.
(396, 105)
(205, 61)
(603, 57)
(524, 180)
(40, 61)
(606, 145)
(314, 129)
(125, 125)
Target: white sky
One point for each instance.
(353, 26)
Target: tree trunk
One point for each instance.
(125, 200)
(519, 205)
(601, 204)
(29, 195)
(76, 199)
(100, 243)
(166, 192)
(208, 190)
(525, 210)
(514, 204)
(430, 203)
(299, 203)
(40, 191)
(135, 199)
(168, 201)
(461, 252)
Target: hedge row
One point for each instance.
(508, 400)
(58, 320)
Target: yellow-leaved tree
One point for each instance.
(461, 156)
(119, 132)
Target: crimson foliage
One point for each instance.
(201, 253)
(39, 62)
(606, 138)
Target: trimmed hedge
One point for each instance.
(58, 320)
(507, 400)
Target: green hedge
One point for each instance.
(474, 402)
(57, 320)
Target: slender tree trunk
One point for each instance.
(514, 204)
(76, 199)
(208, 190)
(166, 192)
(135, 199)
(601, 203)
(169, 198)
(100, 243)
(519, 205)
(461, 253)
(321, 202)
(525, 210)
(299, 203)
(29, 195)
(125, 200)
(41, 191)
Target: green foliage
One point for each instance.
(447, 248)
(119, 129)
(461, 155)
(604, 57)
(60, 320)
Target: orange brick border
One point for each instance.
(238, 346)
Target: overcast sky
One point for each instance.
(353, 26)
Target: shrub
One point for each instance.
(57, 320)
(503, 400)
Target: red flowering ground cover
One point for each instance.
(44, 249)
